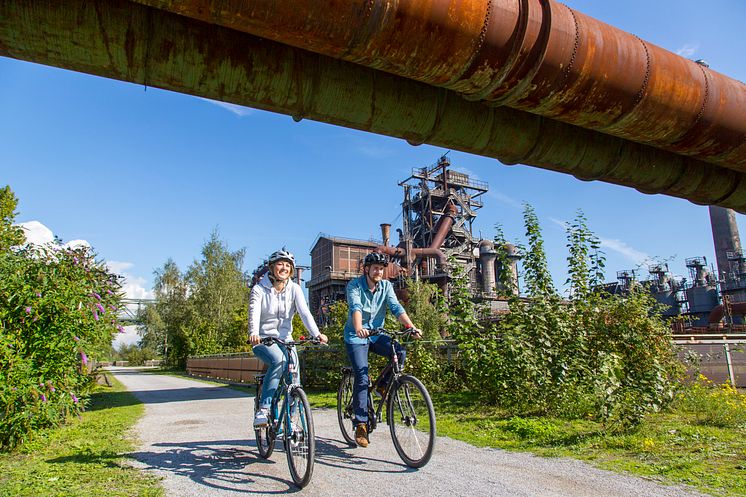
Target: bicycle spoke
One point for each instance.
(412, 421)
(299, 438)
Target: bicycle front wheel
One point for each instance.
(300, 443)
(411, 419)
(265, 439)
(344, 408)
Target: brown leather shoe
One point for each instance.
(361, 435)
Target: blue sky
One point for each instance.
(144, 176)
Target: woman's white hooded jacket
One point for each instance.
(271, 312)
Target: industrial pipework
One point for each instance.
(424, 60)
(539, 56)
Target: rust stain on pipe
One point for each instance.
(536, 55)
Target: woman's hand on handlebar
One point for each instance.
(254, 340)
(323, 338)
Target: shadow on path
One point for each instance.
(227, 465)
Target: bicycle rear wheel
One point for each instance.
(411, 419)
(300, 442)
(345, 414)
(265, 437)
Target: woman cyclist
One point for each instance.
(274, 300)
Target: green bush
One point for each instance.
(57, 309)
(713, 405)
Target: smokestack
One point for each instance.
(385, 233)
(726, 239)
(298, 273)
(487, 256)
(512, 269)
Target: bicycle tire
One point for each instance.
(411, 420)
(345, 414)
(264, 436)
(300, 441)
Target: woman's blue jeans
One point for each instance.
(275, 357)
(358, 354)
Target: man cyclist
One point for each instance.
(368, 297)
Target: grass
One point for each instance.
(87, 457)
(672, 448)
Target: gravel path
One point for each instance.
(197, 437)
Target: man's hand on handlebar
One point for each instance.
(415, 332)
(362, 333)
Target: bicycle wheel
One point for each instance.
(300, 443)
(411, 418)
(345, 414)
(265, 438)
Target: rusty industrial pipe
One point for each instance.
(535, 55)
(718, 312)
(127, 41)
(444, 227)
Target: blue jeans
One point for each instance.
(275, 357)
(358, 354)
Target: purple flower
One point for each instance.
(28, 310)
(75, 260)
(75, 399)
(100, 308)
(77, 339)
(38, 294)
(109, 292)
(95, 315)
(43, 398)
(83, 358)
(51, 389)
(120, 328)
(98, 297)
(113, 308)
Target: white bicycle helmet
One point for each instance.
(282, 255)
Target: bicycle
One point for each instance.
(409, 409)
(290, 419)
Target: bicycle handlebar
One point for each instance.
(383, 331)
(291, 342)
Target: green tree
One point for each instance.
(9, 235)
(202, 311)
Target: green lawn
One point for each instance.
(87, 457)
(670, 448)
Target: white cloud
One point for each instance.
(688, 49)
(129, 337)
(36, 233)
(505, 199)
(118, 267)
(238, 110)
(73, 244)
(133, 286)
(636, 256)
(561, 224)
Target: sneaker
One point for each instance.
(261, 420)
(361, 435)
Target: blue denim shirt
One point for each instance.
(371, 304)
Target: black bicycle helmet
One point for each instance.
(282, 255)
(375, 258)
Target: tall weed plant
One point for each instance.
(607, 357)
